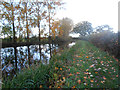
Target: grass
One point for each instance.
(82, 66)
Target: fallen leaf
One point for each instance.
(40, 86)
(87, 69)
(63, 77)
(60, 68)
(91, 81)
(73, 86)
(96, 72)
(78, 73)
(70, 74)
(85, 77)
(79, 81)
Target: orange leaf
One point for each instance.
(73, 86)
(79, 81)
(85, 77)
(49, 86)
(101, 81)
(104, 78)
(56, 68)
(78, 73)
(96, 72)
(63, 77)
(60, 68)
(87, 69)
(91, 81)
(70, 74)
(59, 75)
(40, 86)
(58, 86)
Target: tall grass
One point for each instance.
(82, 66)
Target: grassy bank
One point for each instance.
(82, 66)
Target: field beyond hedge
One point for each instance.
(82, 66)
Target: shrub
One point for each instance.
(106, 40)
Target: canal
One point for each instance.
(14, 59)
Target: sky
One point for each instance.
(97, 12)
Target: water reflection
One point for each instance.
(16, 58)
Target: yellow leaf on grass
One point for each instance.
(40, 86)
(68, 84)
(60, 68)
(86, 69)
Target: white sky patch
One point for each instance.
(98, 12)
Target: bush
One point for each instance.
(106, 40)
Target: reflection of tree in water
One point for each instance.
(45, 53)
(8, 61)
(22, 56)
(34, 50)
(38, 53)
(27, 55)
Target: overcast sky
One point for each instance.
(98, 12)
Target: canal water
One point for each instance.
(16, 58)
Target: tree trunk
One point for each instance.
(27, 24)
(39, 22)
(49, 19)
(39, 31)
(14, 39)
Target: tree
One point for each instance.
(23, 16)
(83, 28)
(41, 14)
(8, 13)
(28, 17)
(52, 6)
(55, 28)
(62, 28)
(6, 30)
(66, 25)
(102, 28)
